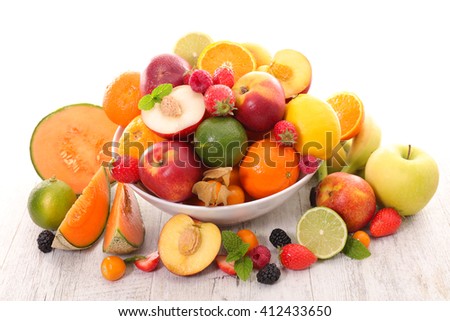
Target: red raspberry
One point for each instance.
(219, 100)
(200, 81)
(285, 133)
(308, 164)
(224, 75)
(125, 169)
(260, 256)
(385, 222)
(296, 257)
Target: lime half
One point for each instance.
(191, 45)
(322, 231)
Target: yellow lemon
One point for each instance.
(317, 125)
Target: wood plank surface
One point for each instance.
(413, 264)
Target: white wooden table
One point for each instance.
(393, 55)
(413, 264)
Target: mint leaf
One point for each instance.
(243, 267)
(238, 252)
(161, 91)
(147, 102)
(355, 249)
(231, 241)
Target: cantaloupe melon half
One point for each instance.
(86, 219)
(71, 143)
(125, 228)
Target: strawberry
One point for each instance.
(296, 257)
(224, 75)
(200, 80)
(285, 133)
(308, 164)
(227, 267)
(219, 100)
(148, 263)
(125, 169)
(385, 222)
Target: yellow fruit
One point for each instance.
(191, 45)
(136, 138)
(262, 55)
(317, 125)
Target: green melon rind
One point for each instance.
(44, 119)
(60, 241)
(120, 245)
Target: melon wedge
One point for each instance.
(86, 219)
(71, 144)
(125, 228)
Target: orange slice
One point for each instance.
(229, 53)
(350, 111)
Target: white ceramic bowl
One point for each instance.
(221, 215)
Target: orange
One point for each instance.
(268, 168)
(136, 138)
(236, 196)
(121, 98)
(350, 111)
(248, 237)
(229, 53)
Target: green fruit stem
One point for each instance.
(134, 258)
(409, 152)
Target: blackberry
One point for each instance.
(45, 240)
(279, 238)
(268, 274)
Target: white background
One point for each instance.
(393, 54)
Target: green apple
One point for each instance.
(403, 177)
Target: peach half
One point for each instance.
(187, 246)
(292, 69)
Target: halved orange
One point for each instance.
(350, 111)
(227, 53)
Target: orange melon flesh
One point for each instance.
(125, 228)
(69, 144)
(86, 219)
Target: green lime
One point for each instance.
(49, 202)
(322, 231)
(191, 45)
(220, 141)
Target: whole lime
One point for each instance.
(220, 141)
(49, 202)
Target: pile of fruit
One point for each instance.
(219, 123)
